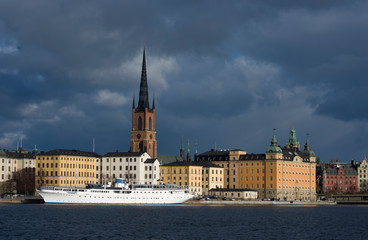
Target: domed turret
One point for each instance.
(307, 150)
(274, 148)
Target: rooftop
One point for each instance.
(73, 152)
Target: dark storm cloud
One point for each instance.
(223, 72)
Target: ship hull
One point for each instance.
(104, 196)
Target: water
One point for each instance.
(21, 221)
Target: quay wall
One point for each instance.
(255, 203)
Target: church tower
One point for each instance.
(293, 143)
(143, 134)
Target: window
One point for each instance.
(139, 123)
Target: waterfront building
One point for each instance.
(212, 177)
(14, 161)
(137, 168)
(17, 166)
(62, 167)
(281, 173)
(228, 160)
(363, 176)
(239, 194)
(340, 178)
(200, 177)
(143, 134)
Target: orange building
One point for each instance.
(282, 173)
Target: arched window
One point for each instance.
(150, 123)
(139, 123)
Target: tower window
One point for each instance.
(150, 123)
(139, 123)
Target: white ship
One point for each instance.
(125, 194)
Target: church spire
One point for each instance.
(182, 149)
(307, 149)
(143, 91)
(189, 159)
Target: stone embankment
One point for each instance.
(255, 203)
(21, 200)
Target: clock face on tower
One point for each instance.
(138, 136)
(151, 136)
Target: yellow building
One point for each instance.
(228, 160)
(212, 177)
(198, 177)
(66, 168)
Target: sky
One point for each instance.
(224, 74)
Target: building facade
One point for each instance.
(143, 134)
(228, 160)
(200, 178)
(281, 173)
(62, 167)
(363, 176)
(239, 194)
(17, 167)
(183, 174)
(14, 161)
(340, 178)
(137, 168)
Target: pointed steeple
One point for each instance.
(307, 149)
(35, 150)
(188, 153)
(133, 101)
(143, 91)
(153, 103)
(182, 149)
(195, 150)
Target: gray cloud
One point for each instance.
(224, 72)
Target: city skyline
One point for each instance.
(222, 74)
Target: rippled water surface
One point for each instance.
(20, 221)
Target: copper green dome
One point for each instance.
(274, 148)
(307, 150)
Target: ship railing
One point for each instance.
(160, 186)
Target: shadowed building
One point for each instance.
(228, 160)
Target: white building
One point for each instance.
(138, 168)
(363, 176)
(11, 162)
